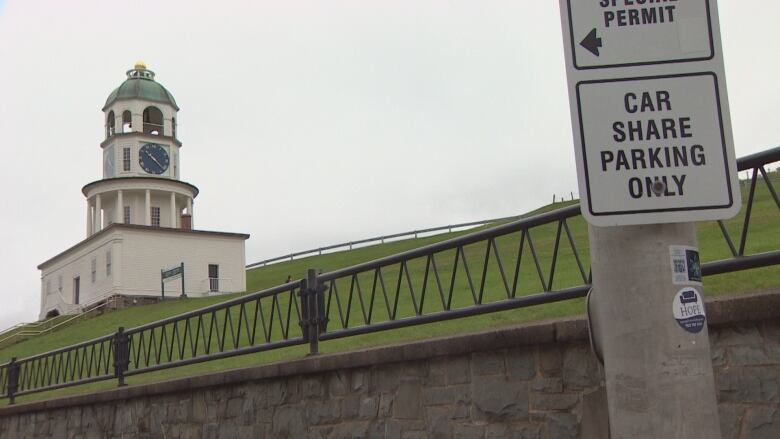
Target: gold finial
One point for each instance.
(140, 65)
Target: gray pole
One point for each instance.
(659, 375)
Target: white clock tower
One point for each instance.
(140, 215)
(141, 175)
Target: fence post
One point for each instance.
(312, 288)
(304, 322)
(13, 380)
(121, 355)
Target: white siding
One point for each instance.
(138, 255)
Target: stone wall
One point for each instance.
(532, 381)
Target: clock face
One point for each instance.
(153, 158)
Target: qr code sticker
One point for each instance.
(685, 265)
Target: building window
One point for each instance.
(126, 159)
(127, 121)
(213, 278)
(108, 263)
(110, 124)
(153, 121)
(155, 216)
(48, 287)
(127, 215)
(94, 269)
(59, 284)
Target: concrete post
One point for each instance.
(173, 210)
(89, 218)
(148, 208)
(98, 214)
(120, 209)
(659, 375)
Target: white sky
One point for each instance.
(307, 123)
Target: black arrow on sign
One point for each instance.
(592, 42)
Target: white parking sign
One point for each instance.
(649, 111)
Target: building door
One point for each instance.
(213, 278)
(76, 287)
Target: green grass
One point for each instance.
(763, 236)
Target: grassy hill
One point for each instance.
(764, 236)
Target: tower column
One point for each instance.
(98, 214)
(148, 209)
(173, 210)
(120, 217)
(189, 211)
(89, 218)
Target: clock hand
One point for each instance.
(156, 161)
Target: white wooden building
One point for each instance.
(140, 215)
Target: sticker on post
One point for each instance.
(686, 266)
(688, 310)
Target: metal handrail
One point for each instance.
(300, 312)
(378, 239)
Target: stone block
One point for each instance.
(580, 368)
(439, 420)
(369, 406)
(739, 334)
(731, 417)
(385, 378)
(312, 388)
(406, 404)
(771, 330)
(562, 426)
(547, 385)
(550, 361)
(395, 428)
(234, 408)
(763, 423)
(514, 431)
(323, 412)
(446, 395)
(418, 369)
(288, 423)
(748, 385)
(468, 431)
(458, 370)
(275, 392)
(718, 355)
(385, 405)
(553, 401)
(293, 393)
(360, 380)
(496, 399)
(488, 363)
(350, 430)
(251, 432)
(521, 364)
(350, 407)
(437, 373)
(752, 355)
(338, 383)
(594, 423)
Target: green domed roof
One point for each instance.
(140, 84)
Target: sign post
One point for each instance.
(173, 273)
(654, 151)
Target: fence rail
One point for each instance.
(378, 240)
(513, 265)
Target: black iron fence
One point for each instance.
(513, 265)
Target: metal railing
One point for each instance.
(381, 240)
(510, 266)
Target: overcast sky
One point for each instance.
(307, 123)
